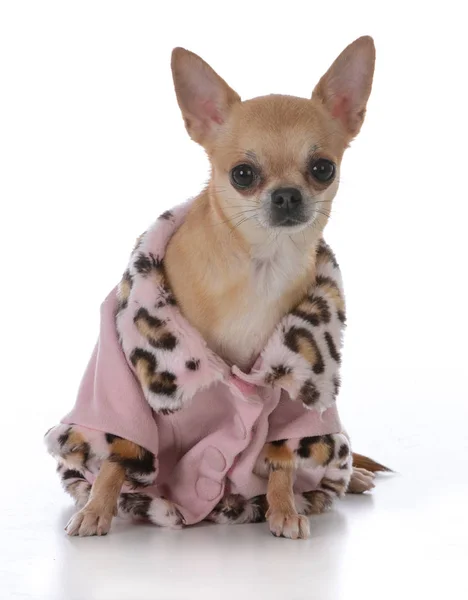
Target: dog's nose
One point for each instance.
(286, 198)
(286, 203)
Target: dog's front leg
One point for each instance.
(282, 515)
(95, 517)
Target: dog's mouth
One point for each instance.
(290, 222)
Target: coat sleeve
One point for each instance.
(110, 399)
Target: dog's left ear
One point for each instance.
(346, 86)
(205, 99)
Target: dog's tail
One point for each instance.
(364, 462)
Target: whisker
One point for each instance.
(325, 214)
(241, 222)
(234, 217)
(294, 243)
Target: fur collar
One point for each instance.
(171, 359)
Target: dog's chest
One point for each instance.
(242, 333)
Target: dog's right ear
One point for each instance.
(204, 98)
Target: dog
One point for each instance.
(240, 261)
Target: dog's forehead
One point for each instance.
(283, 130)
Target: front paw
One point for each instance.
(288, 525)
(90, 521)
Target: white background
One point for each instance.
(93, 148)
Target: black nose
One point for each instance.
(286, 205)
(286, 198)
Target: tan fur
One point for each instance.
(106, 488)
(213, 287)
(209, 260)
(282, 515)
(279, 495)
(96, 516)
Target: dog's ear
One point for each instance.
(204, 98)
(346, 86)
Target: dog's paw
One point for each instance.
(361, 481)
(289, 525)
(89, 521)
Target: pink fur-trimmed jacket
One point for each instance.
(153, 380)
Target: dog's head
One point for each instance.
(275, 159)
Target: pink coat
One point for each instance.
(153, 380)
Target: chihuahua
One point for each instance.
(242, 259)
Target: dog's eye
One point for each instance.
(322, 170)
(243, 176)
